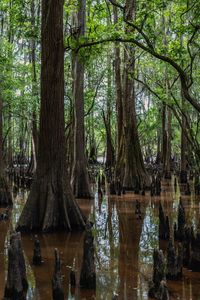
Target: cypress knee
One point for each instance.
(88, 275)
(16, 283)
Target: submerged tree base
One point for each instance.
(5, 194)
(50, 206)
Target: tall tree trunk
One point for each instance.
(5, 194)
(110, 152)
(80, 178)
(167, 115)
(50, 204)
(118, 83)
(134, 165)
(34, 91)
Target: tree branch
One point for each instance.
(167, 59)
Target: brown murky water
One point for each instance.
(123, 248)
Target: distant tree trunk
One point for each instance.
(50, 205)
(5, 195)
(159, 137)
(184, 147)
(166, 143)
(9, 148)
(110, 156)
(92, 156)
(118, 83)
(35, 140)
(110, 152)
(80, 178)
(134, 165)
(69, 143)
(163, 144)
(166, 116)
(34, 93)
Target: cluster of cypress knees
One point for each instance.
(17, 284)
(155, 188)
(184, 254)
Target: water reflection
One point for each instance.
(123, 247)
(3, 232)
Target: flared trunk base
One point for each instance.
(50, 207)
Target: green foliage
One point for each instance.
(170, 28)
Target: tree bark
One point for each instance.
(50, 205)
(5, 194)
(110, 152)
(166, 144)
(134, 165)
(184, 144)
(110, 156)
(119, 106)
(34, 91)
(80, 178)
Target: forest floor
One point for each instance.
(124, 247)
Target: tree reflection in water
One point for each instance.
(123, 248)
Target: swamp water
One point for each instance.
(123, 248)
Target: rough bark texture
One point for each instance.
(50, 204)
(80, 178)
